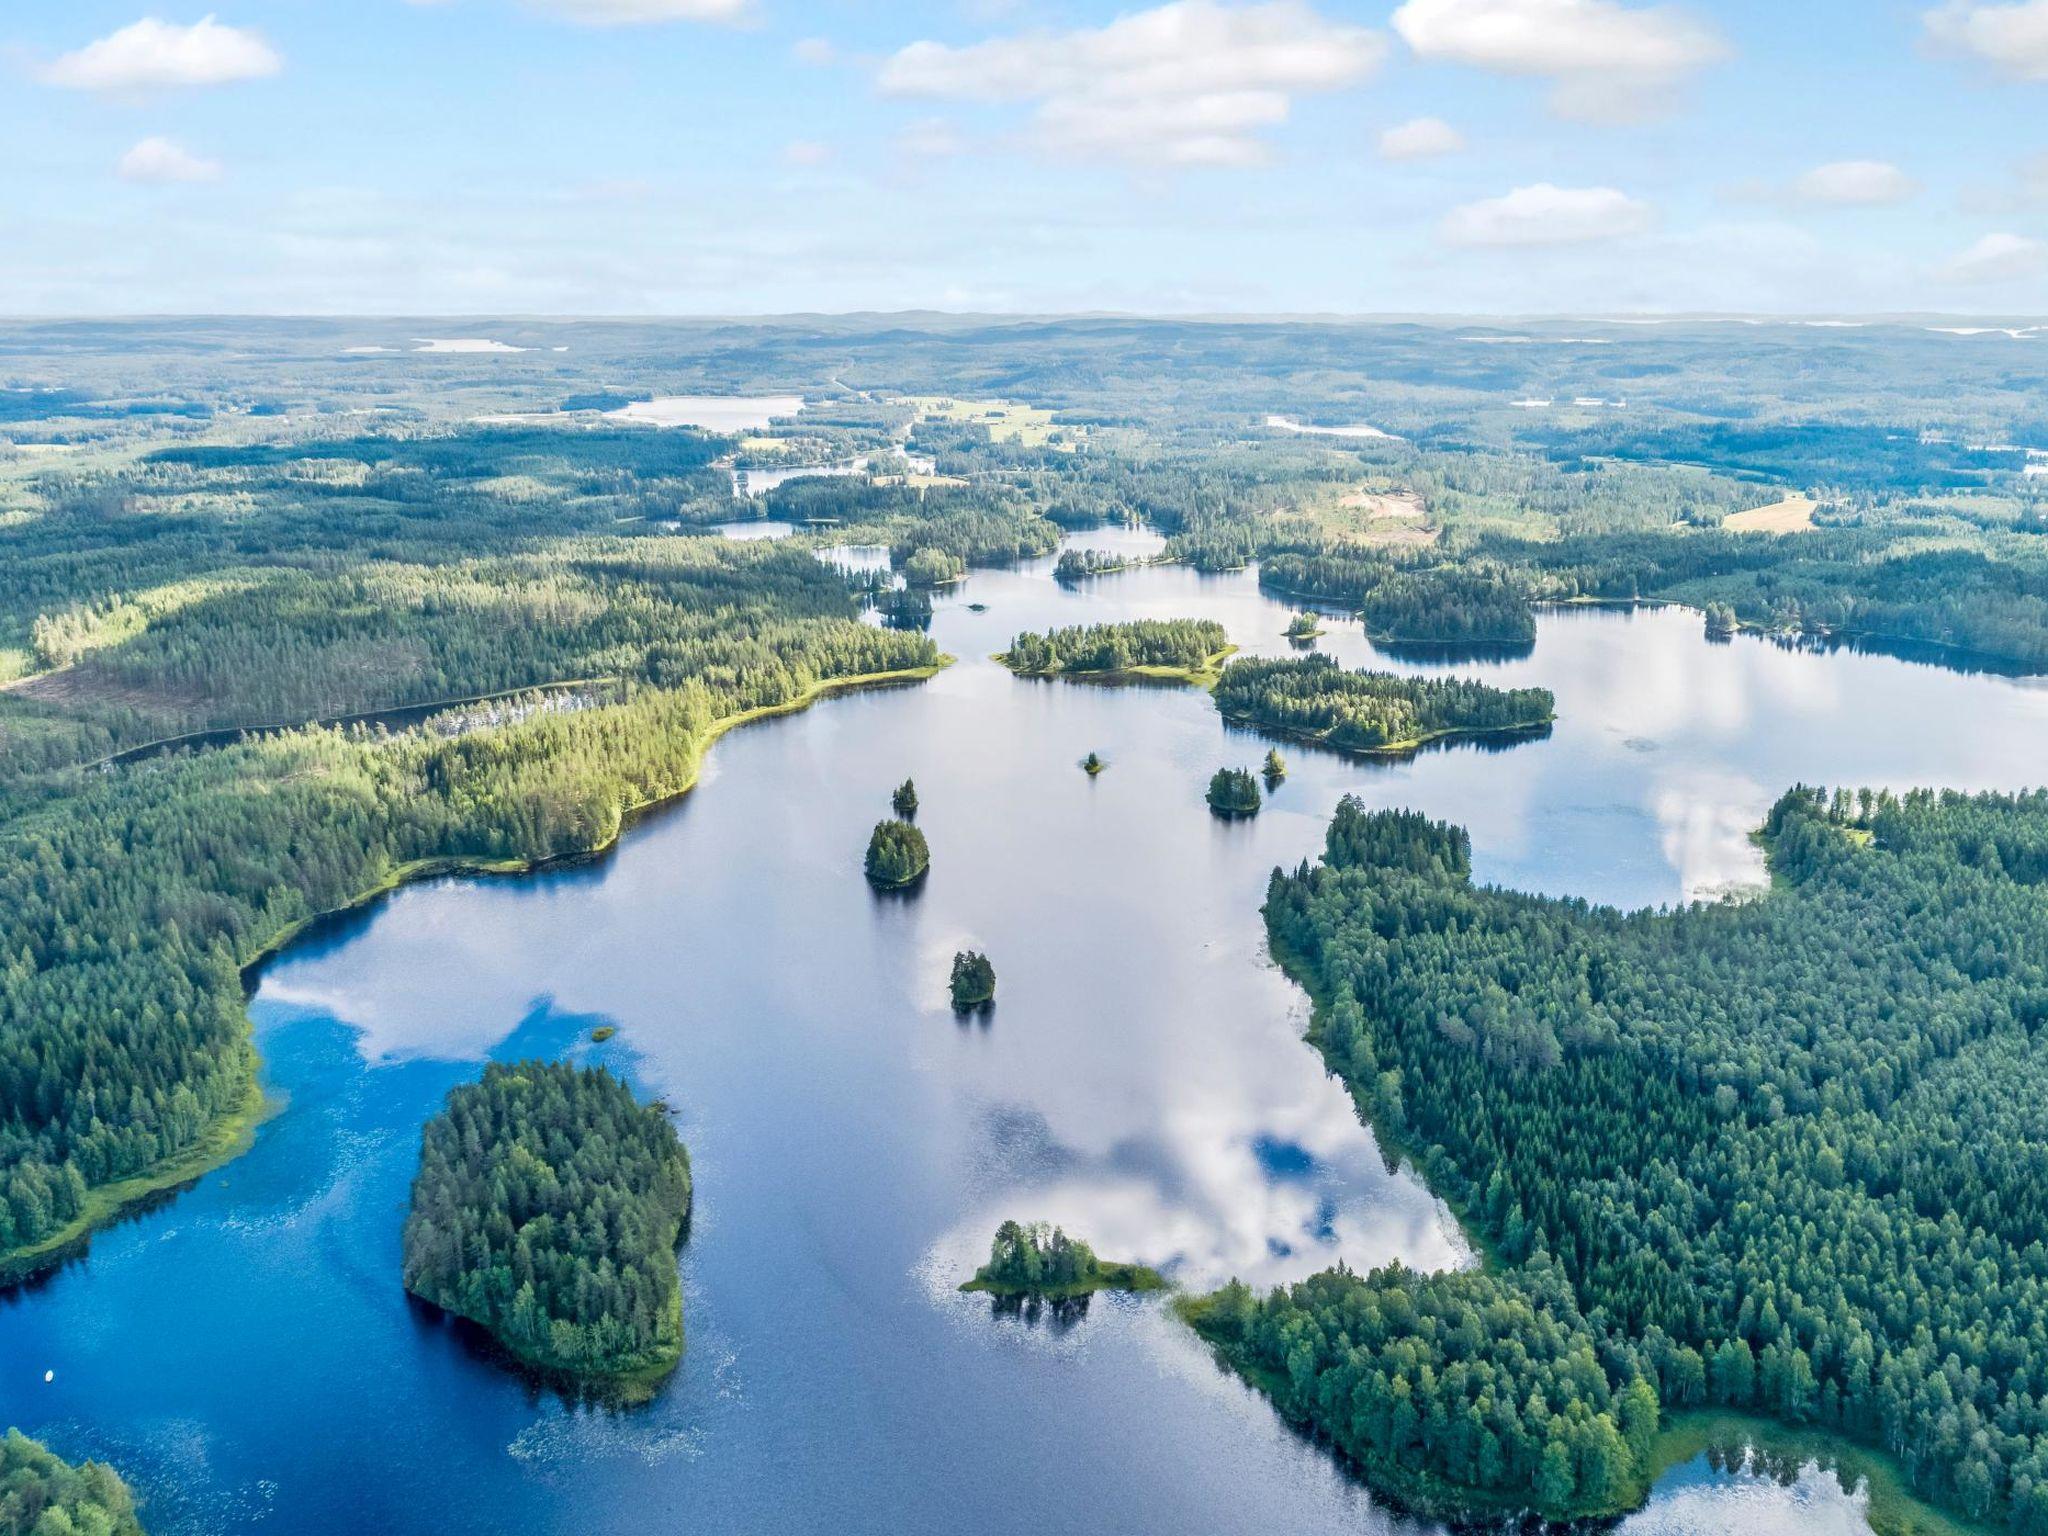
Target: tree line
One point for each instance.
(1785, 1152)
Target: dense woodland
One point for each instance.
(1783, 1156)
(1473, 605)
(1787, 1153)
(131, 899)
(548, 1207)
(42, 1495)
(1460, 1393)
(1187, 644)
(1314, 699)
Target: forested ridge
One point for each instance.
(547, 1207)
(1785, 1152)
(43, 1495)
(1315, 699)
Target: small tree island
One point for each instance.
(1276, 767)
(1093, 764)
(1303, 628)
(1312, 698)
(548, 1208)
(904, 800)
(1233, 792)
(1041, 1261)
(897, 856)
(974, 981)
(1162, 650)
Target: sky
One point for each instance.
(628, 157)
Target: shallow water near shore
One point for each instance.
(244, 1352)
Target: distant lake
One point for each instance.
(713, 413)
(757, 528)
(245, 1354)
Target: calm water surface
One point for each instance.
(245, 1352)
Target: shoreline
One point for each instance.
(1894, 1509)
(233, 1134)
(1204, 676)
(1408, 746)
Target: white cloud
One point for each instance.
(1855, 184)
(630, 13)
(2011, 37)
(2000, 258)
(151, 54)
(1548, 215)
(1190, 83)
(807, 152)
(930, 138)
(1420, 138)
(1606, 60)
(161, 160)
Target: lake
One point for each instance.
(245, 1354)
(714, 413)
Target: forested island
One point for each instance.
(1079, 564)
(1039, 1261)
(1782, 1152)
(1233, 792)
(43, 1495)
(1312, 698)
(548, 1208)
(973, 983)
(897, 856)
(1406, 604)
(1183, 650)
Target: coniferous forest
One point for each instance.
(1783, 1153)
(280, 632)
(1313, 698)
(548, 1208)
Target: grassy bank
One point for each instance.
(225, 1140)
(1782, 1449)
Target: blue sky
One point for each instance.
(765, 156)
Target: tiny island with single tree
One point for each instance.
(1233, 792)
(548, 1208)
(974, 981)
(904, 800)
(897, 856)
(1304, 628)
(1140, 650)
(1275, 768)
(1043, 1262)
(1093, 764)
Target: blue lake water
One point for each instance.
(245, 1354)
